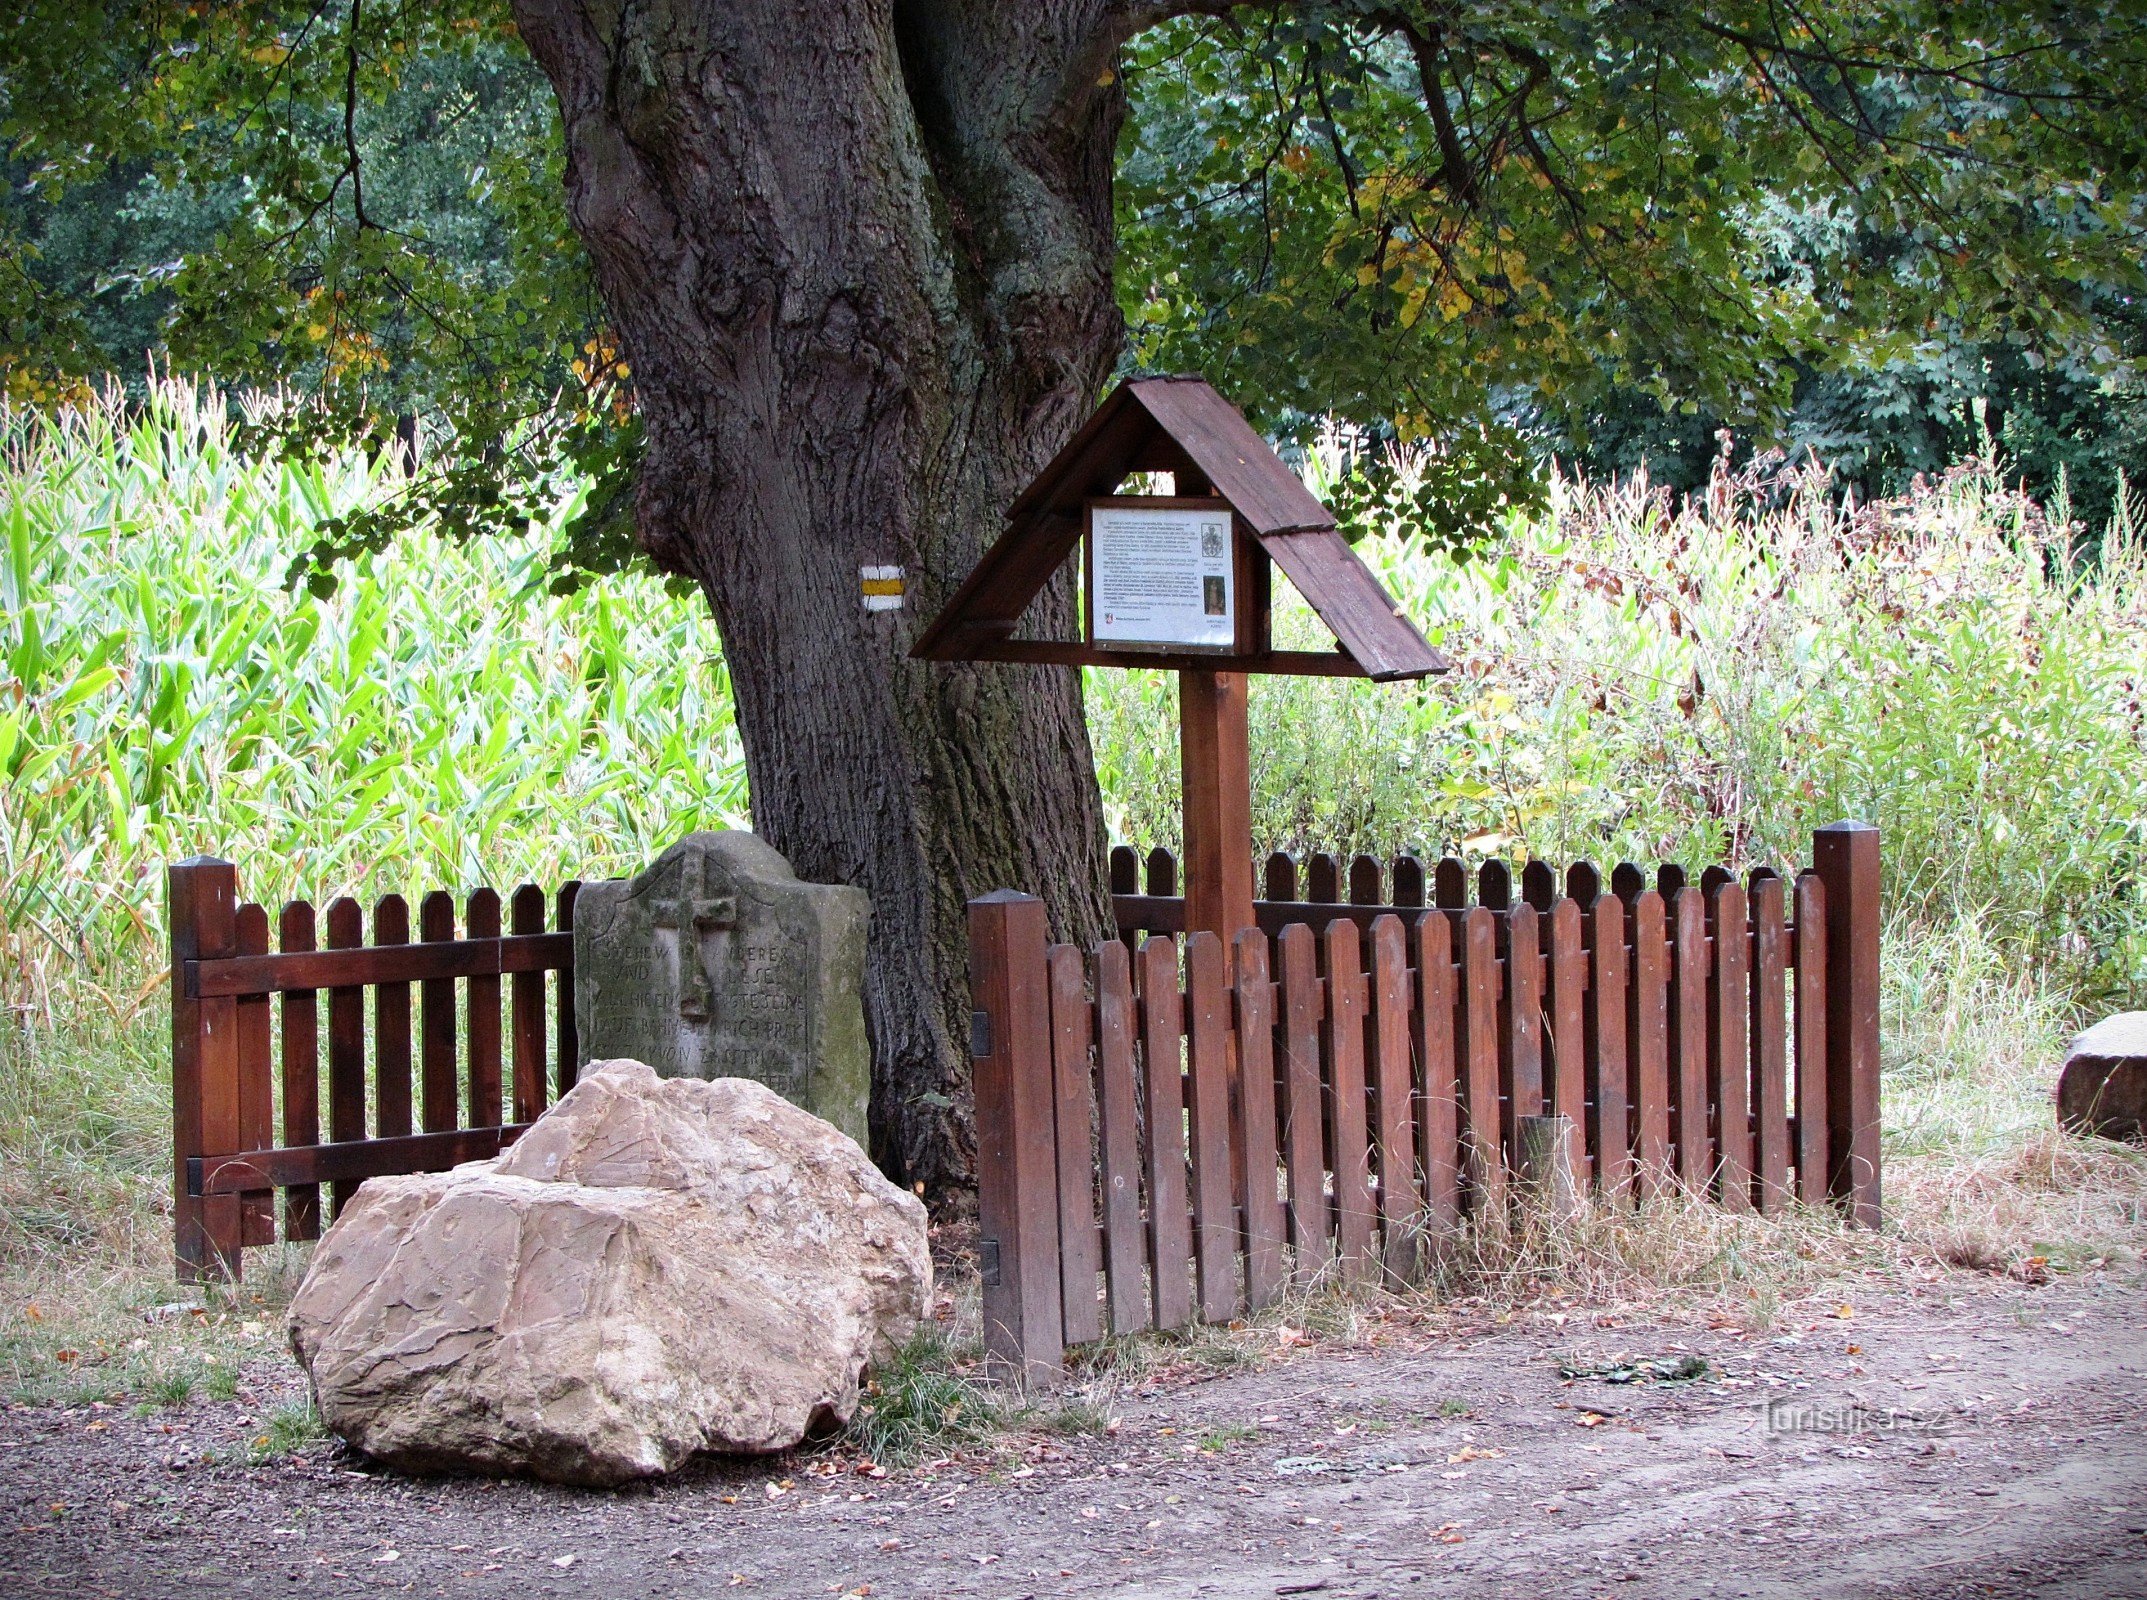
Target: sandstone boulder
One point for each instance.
(2103, 1088)
(658, 1267)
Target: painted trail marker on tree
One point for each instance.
(1184, 581)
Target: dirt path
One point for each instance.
(2009, 1460)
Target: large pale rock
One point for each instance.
(658, 1267)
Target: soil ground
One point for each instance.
(1966, 1437)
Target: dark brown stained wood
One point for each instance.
(1715, 877)
(1356, 1216)
(526, 1006)
(1408, 882)
(1770, 1040)
(346, 1042)
(1648, 1042)
(1539, 885)
(1323, 881)
(1521, 1047)
(1846, 857)
(1439, 1102)
(1215, 786)
(1303, 1141)
(1265, 1269)
(407, 963)
(203, 896)
(1162, 872)
(1688, 1040)
(1017, 1147)
(1280, 878)
(1627, 881)
(1074, 1121)
(1609, 1123)
(1450, 884)
(1234, 459)
(568, 1068)
(1757, 876)
(1125, 1245)
(436, 1022)
(1813, 1167)
(1366, 881)
(993, 644)
(308, 1166)
(1729, 1006)
(1480, 1138)
(1583, 884)
(257, 1080)
(391, 1027)
(1669, 881)
(480, 996)
(1494, 886)
(301, 1075)
(1401, 1205)
(1214, 1204)
(1567, 1046)
(1125, 869)
(1364, 618)
(1170, 1223)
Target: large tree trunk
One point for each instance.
(858, 254)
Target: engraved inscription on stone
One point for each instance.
(717, 962)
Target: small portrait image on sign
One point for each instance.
(1160, 576)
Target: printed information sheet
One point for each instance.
(1161, 577)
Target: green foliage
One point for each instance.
(922, 1402)
(440, 721)
(1428, 219)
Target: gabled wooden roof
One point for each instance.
(1179, 425)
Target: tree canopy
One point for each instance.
(1605, 227)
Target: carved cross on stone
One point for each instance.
(695, 912)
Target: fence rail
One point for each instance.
(398, 1097)
(1167, 1131)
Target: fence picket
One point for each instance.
(346, 1043)
(1583, 884)
(1125, 870)
(1568, 1044)
(1450, 884)
(257, 1079)
(526, 1005)
(1521, 1046)
(1439, 1106)
(1322, 879)
(1494, 886)
(1401, 1204)
(1729, 1043)
(301, 1074)
(1813, 1163)
(1264, 1267)
(1627, 881)
(1118, 1099)
(1367, 883)
(1770, 1041)
(1343, 1054)
(1304, 1151)
(1539, 885)
(1281, 877)
(1208, 1049)
(1688, 1039)
(1162, 872)
(1609, 1126)
(1481, 1149)
(436, 1022)
(1073, 1113)
(1408, 881)
(391, 1027)
(1170, 1232)
(1648, 1041)
(480, 916)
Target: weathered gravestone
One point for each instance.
(718, 962)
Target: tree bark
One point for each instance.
(858, 255)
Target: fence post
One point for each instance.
(1017, 1177)
(203, 908)
(1846, 857)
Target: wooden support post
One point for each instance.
(204, 1068)
(1215, 767)
(1017, 1159)
(1846, 857)
(1548, 1169)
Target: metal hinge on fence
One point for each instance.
(988, 1258)
(979, 1034)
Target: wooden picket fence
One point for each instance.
(1166, 1132)
(242, 1129)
